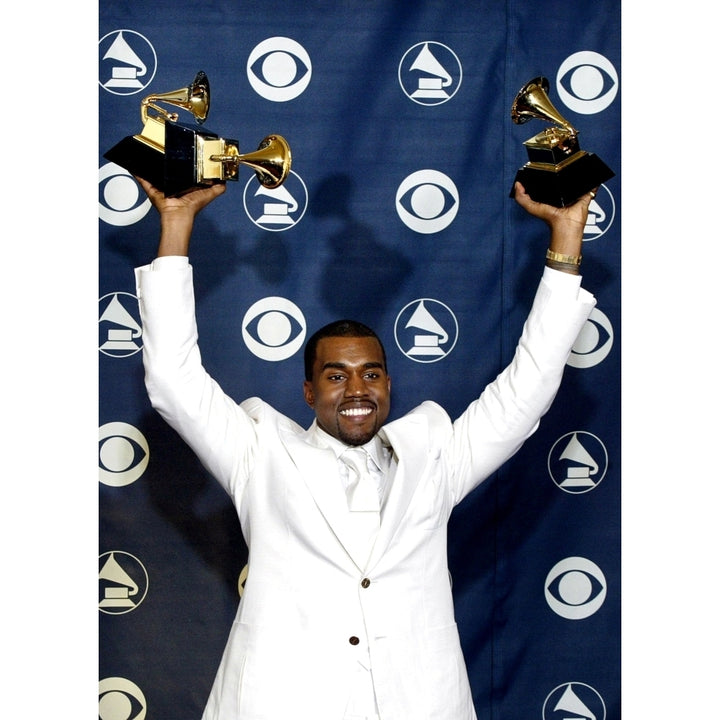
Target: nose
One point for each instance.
(355, 386)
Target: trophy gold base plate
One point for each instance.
(562, 185)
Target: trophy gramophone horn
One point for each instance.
(271, 161)
(558, 172)
(195, 98)
(533, 102)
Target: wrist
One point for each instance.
(563, 262)
(175, 232)
(566, 237)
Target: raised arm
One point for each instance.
(177, 215)
(508, 411)
(178, 386)
(566, 228)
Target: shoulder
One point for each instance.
(428, 420)
(264, 414)
(431, 411)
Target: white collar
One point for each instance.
(378, 450)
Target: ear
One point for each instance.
(308, 393)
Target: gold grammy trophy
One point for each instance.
(558, 172)
(176, 158)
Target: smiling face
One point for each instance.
(350, 388)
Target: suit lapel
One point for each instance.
(319, 471)
(318, 468)
(402, 437)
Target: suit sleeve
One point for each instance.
(218, 430)
(509, 410)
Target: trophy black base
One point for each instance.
(139, 159)
(563, 184)
(173, 171)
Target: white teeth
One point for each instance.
(356, 411)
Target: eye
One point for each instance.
(279, 69)
(593, 337)
(121, 200)
(120, 698)
(123, 454)
(119, 704)
(427, 201)
(594, 342)
(273, 328)
(575, 588)
(587, 82)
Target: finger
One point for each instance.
(521, 195)
(149, 189)
(588, 197)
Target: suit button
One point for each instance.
(354, 640)
(365, 582)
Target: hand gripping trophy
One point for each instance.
(558, 172)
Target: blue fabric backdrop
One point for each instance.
(398, 116)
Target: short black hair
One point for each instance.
(338, 328)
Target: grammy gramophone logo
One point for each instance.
(176, 157)
(430, 73)
(426, 330)
(123, 583)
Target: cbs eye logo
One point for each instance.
(120, 698)
(121, 200)
(427, 201)
(575, 588)
(123, 454)
(274, 328)
(279, 69)
(594, 342)
(587, 82)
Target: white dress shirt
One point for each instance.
(361, 703)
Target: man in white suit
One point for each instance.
(347, 611)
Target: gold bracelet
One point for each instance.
(559, 257)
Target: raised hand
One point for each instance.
(177, 214)
(566, 223)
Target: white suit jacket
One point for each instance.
(308, 610)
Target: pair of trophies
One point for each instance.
(176, 157)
